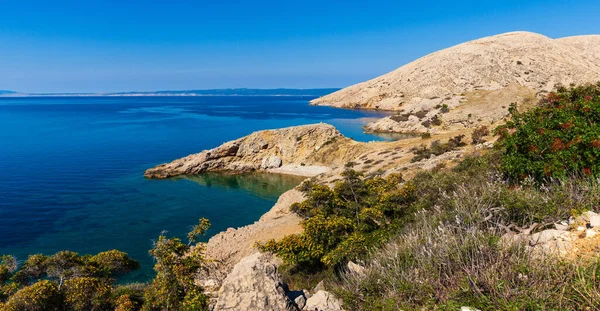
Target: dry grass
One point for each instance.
(452, 255)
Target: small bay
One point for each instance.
(72, 168)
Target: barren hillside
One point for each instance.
(524, 59)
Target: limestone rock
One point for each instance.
(320, 286)
(259, 150)
(227, 248)
(473, 83)
(300, 301)
(595, 221)
(254, 285)
(355, 269)
(547, 236)
(524, 59)
(323, 301)
(270, 162)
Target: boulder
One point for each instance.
(595, 221)
(254, 284)
(323, 301)
(356, 269)
(320, 286)
(271, 162)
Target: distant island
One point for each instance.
(210, 92)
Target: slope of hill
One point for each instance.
(525, 59)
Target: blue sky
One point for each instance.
(105, 46)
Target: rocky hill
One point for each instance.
(492, 63)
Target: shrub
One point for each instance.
(343, 222)
(177, 263)
(478, 134)
(112, 263)
(425, 135)
(41, 296)
(85, 293)
(558, 138)
(445, 109)
(421, 113)
(436, 148)
(400, 117)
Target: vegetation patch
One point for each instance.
(558, 138)
(436, 148)
(69, 281)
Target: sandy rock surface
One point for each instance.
(269, 149)
(525, 59)
(254, 285)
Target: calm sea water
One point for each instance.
(71, 169)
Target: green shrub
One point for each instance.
(177, 264)
(558, 138)
(343, 222)
(41, 296)
(85, 293)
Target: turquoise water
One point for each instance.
(71, 169)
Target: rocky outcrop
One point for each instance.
(323, 301)
(254, 285)
(476, 108)
(446, 77)
(577, 238)
(262, 150)
(227, 248)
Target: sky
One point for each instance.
(119, 45)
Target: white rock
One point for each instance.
(561, 226)
(320, 286)
(595, 221)
(590, 233)
(300, 301)
(547, 236)
(271, 162)
(254, 285)
(356, 269)
(323, 301)
(468, 309)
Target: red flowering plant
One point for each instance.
(558, 138)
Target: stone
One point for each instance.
(319, 286)
(561, 226)
(355, 269)
(300, 301)
(254, 285)
(323, 301)
(271, 162)
(468, 309)
(595, 221)
(590, 233)
(547, 236)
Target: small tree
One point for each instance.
(177, 263)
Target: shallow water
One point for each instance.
(71, 169)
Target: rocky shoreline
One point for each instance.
(236, 277)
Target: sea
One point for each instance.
(71, 168)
